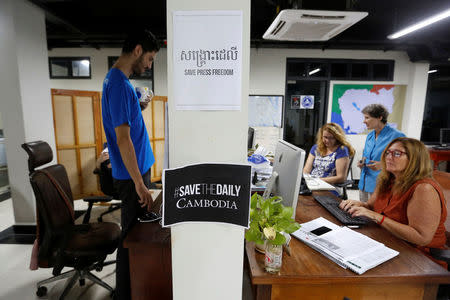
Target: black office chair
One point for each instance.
(443, 178)
(61, 242)
(107, 187)
(443, 255)
(347, 182)
(251, 138)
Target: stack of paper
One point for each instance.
(317, 184)
(344, 246)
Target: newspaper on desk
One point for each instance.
(317, 184)
(344, 246)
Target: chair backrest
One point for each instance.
(349, 171)
(443, 178)
(251, 138)
(53, 212)
(106, 180)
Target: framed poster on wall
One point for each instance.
(350, 99)
(207, 60)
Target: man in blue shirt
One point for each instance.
(375, 117)
(128, 143)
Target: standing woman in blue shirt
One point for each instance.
(375, 117)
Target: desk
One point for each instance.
(150, 261)
(150, 257)
(307, 274)
(438, 155)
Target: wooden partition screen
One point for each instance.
(78, 137)
(154, 118)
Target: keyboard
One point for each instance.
(330, 204)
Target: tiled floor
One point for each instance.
(18, 282)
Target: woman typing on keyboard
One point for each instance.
(329, 158)
(407, 201)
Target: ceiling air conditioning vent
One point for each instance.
(311, 25)
(278, 27)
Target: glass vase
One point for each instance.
(261, 248)
(273, 259)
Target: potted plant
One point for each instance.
(269, 218)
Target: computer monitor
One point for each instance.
(251, 138)
(287, 174)
(444, 136)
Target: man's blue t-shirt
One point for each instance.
(325, 166)
(372, 151)
(120, 105)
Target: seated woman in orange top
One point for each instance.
(407, 201)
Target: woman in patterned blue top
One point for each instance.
(329, 158)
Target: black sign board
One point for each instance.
(207, 193)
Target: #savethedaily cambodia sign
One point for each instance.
(207, 193)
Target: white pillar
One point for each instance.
(207, 259)
(25, 102)
(415, 100)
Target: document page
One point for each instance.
(316, 223)
(317, 184)
(369, 260)
(347, 243)
(305, 234)
(344, 246)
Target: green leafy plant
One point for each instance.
(268, 218)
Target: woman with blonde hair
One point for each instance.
(407, 201)
(329, 158)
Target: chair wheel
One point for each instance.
(41, 291)
(100, 219)
(99, 268)
(82, 282)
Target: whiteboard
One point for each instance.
(265, 111)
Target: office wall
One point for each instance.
(25, 97)
(99, 68)
(268, 75)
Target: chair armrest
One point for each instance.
(345, 183)
(441, 254)
(91, 201)
(95, 199)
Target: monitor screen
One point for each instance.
(287, 174)
(445, 136)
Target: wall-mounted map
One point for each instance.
(350, 99)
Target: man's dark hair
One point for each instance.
(376, 111)
(144, 38)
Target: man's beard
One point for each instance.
(136, 67)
